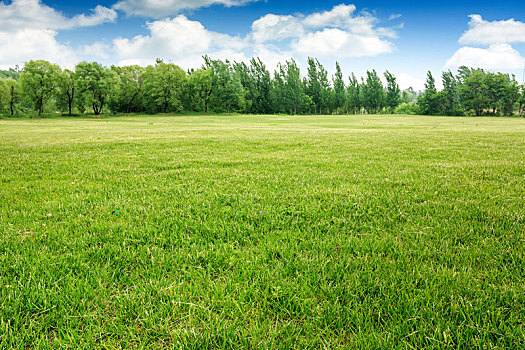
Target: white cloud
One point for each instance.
(28, 30)
(332, 41)
(336, 17)
(338, 32)
(273, 28)
(394, 16)
(164, 8)
(33, 14)
(99, 16)
(497, 56)
(27, 44)
(483, 32)
(95, 51)
(406, 81)
(178, 40)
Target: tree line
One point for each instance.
(224, 86)
(473, 92)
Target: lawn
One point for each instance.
(262, 232)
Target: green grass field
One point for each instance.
(262, 232)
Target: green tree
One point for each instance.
(9, 95)
(96, 84)
(66, 91)
(39, 80)
(313, 85)
(11, 73)
(463, 73)
(14, 88)
(510, 95)
(428, 103)
(256, 82)
(4, 96)
(199, 88)
(228, 92)
(353, 95)
(473, 92)
(450, 101)
(521, 101)
(326, 89)
(296, 100)
(393, 93)
(262, 86)
(339, 90)
(130, 91)
(278, 91)
(494, 90)
(247, 80)
(372, 93)
(163, 87)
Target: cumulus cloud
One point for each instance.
(179, 40)
(100, 15)
(497, 56)
(26, 44)
(333, 41)
(339, 16)
(163, 8)
(273, 28)
(28, 30)
(497, 36)
(33, 14)
(483, 32)
(338, 31)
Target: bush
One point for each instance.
(407, 108)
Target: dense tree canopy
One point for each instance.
(96, 84)
(472, 91)
(39, 80)
(249, 87)
(393, 93)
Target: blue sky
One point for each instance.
(405, 37)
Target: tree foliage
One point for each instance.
(96, 84)
(164, 87)
(428, 102)
(39, 80)
(339, 95)
(372, 92)
(393, 93)
(249, 87)
(130, 88)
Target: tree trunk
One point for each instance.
(70, 97)
(40, 106)
(128, 109)
(12, 101)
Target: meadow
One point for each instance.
(249, 231)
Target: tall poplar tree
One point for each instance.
(393, 93)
